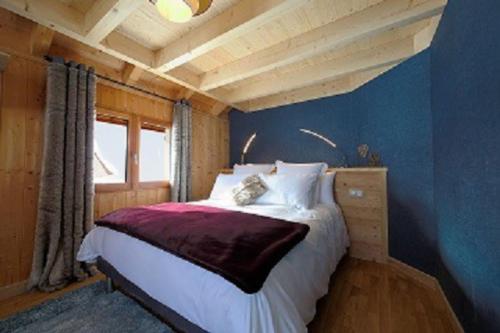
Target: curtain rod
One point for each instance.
(102, 77)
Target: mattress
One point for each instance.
(286, 302)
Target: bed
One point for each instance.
(191, 298)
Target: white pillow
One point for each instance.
(252, 169)
(300, 168)
(326, 182)
(274, 194)
(223, 186)
(297, 191)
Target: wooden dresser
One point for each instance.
(362, 195)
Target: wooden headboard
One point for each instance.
(362, 195)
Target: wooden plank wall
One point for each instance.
(21, 116)
(210, 151)
(21, 129)
(116, 99)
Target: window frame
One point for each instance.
(114, 117)
(150, 124)
(134, 125)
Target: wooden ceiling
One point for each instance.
(250, 54)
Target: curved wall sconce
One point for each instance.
(328, 142)
(246, 147)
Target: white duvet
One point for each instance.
(286, 302)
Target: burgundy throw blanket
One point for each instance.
(241, 247)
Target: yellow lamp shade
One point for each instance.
(178, 11)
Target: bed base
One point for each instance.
(174, 320)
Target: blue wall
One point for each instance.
(435, 119)
(278, 135)
(466, 110)
(396, 119)
(393, 116)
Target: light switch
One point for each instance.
(356, 193)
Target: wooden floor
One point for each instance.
(375, 298)
(364, 297)
(22, 302)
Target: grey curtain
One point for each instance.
(65, 203)
(181, 152)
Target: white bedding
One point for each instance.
(286, 302)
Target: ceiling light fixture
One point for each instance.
(180, 11)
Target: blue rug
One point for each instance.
(86, 310)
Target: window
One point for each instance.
(131, 152)
(154, 153)
(110, 150)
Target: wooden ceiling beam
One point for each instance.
(40, 40)
(360, 79)
(326, 89)
(380, 56)
(105, 15)
(53, 14)
(423, 38)
(131, 73)
(236, 21)
(219, 108)
(242, 18)
(68, 21)
(130, 51)
(184, 93)
(389, 14)
(124, 48)
(329, 88)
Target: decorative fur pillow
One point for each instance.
(248, 190)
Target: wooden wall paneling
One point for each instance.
(110, 98)
(12, 133)
(163, 195)
(22, 100)
(142, 198)
(36, 84)
(4, 61)
(196, 167)
(199, 153)
(129, 101)
(131, 198)
(210, 151)
(106, 202)
(14, 28)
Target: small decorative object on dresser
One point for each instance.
(367, 158)
(374, 160)
(363, 150)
